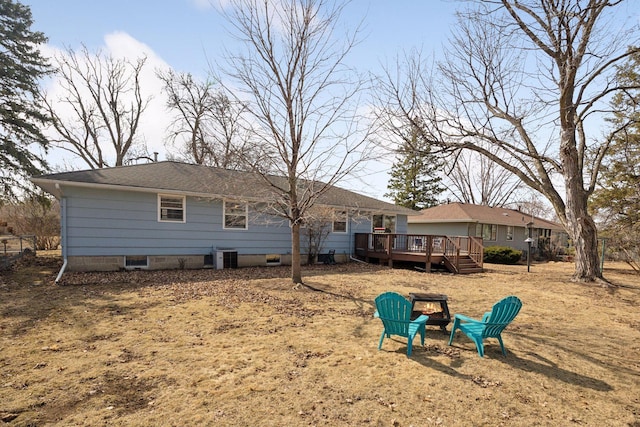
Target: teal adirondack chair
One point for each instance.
(395, 312)
(492, 324)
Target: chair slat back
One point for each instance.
(395, 312)
(503, 313)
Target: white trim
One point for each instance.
(384, 215)
(336, 219)
(183, 208)
(224, 215)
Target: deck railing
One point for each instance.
(389, 243)
(391, 246)
(463, 245)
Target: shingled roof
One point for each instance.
(465, 212)
(198, 180)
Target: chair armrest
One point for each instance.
(376, 314)
(485, 317)
(465, 318)
(421, 319)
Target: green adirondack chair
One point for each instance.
(395, 312)
(492, 324)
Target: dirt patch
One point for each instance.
(246, 347)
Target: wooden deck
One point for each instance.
(459, 254)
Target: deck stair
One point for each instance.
(466, 265)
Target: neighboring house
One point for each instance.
(496, 226)
(176, 215)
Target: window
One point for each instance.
(546, 232)
(488, 232)
(136, 261)
(383, 222)
(509, 232)
(273, 259)
(340, 222)
(171, 208)
(235, 215)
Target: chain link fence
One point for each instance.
(15, 247)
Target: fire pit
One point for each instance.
(433, 305)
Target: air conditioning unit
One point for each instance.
(225, 258)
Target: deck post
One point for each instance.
(389, 241)
(427, 264)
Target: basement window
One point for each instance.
(136, 261)
(273, 259)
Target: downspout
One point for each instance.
(63, 232)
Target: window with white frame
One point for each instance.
(383, 223)
(171, 208)
(236, 215)
(340, 222)
(509, 232)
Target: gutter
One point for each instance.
(63, 232)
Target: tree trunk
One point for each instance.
(579, 223)
(296, 270)
(582, 230)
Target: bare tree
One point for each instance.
(302, 100)
(207, 123)
(97, 115)
(37, 214)
(521, 84)
(476, 179)
(534, 204)
(317, 227)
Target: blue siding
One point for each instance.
(110, 222)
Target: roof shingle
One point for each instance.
(201, 180)
(465, 212)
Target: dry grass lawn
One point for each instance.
(246, 348)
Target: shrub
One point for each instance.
(501, 255)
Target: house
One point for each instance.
(496, 226)
(164, 215)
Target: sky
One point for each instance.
(190, 36)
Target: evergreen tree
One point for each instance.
(414, 181)
(21, 66)
(617, 200)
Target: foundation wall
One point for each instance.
(172, 262)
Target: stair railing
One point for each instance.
(476, 250)
(452, 252)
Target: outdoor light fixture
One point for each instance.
(528, 241)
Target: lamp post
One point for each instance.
(528, 240)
